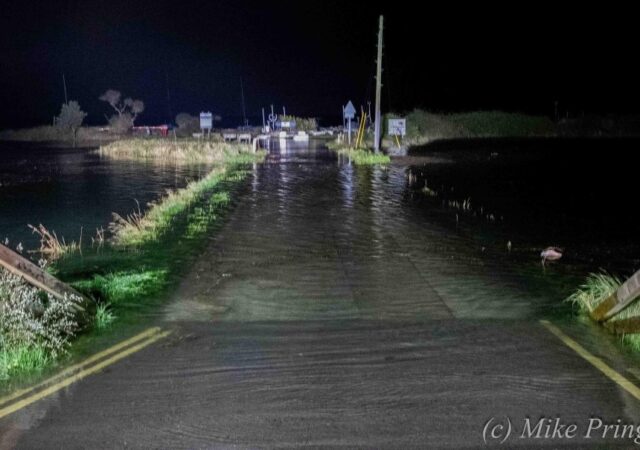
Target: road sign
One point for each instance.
(286, 124)
(397, 127)
(349, 111)
(206, 120)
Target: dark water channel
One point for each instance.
(67, 189)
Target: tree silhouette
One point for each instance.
(71, 118)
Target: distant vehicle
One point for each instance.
(153, 130)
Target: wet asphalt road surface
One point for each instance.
(327, 313)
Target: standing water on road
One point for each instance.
(308, 319)
(68, 188)
(427, 237)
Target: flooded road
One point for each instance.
(324, 239)
(338, 308)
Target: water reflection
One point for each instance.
(317, 238)
(69, 189)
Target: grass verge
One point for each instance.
(134, 271)
(424, 127)
(186, 151)
(359, 156)
(49, 133)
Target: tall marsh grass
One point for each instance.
(52, 247)
(168, 150)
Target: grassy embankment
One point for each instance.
(187, 151)
(133, 271)
(49, 133)
(424, 127)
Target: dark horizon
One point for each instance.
(311, 58)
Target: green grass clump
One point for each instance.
(104, 316)
(124, 287)
(22, 359)
(596, 288)
(365, 157)
(359, 156)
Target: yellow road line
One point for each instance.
(75, 367)
(599, 364)
(79, 375)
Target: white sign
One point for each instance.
(206, 120)
(349, 111)
(397, 127)
(287, 124)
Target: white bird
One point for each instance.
(551, 254)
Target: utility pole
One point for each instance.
(64, 83)
(244, 111)
(376, 140)
(169, 108)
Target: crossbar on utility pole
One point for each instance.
(376, 139)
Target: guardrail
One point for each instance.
(34, 275)
(624, 296)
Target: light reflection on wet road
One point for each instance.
(315, 239)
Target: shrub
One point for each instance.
(33, 324)
(70, 119)
(302, 123)
(121, 124)
(187, 124)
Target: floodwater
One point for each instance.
(464, 222)
(350, 306)
(67, 189)
(317, 237)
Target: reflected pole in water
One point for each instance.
(376, 139)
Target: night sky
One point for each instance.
(312, 57)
